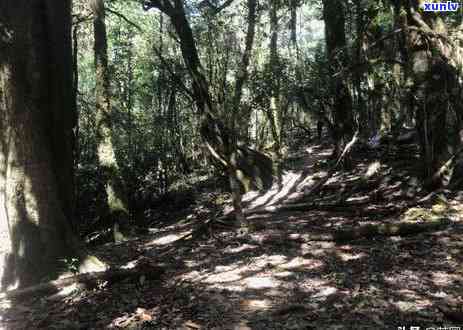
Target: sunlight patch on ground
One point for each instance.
(335, 178)
(283, 274)
(310, 150)
(272, 195)
(348, 256)
(292, 186)
(300, 262)
(442, 279)
(257, 282)
(373, 168)
(190, 263)
(255, 304)
(317, 283)
(325, 245)
(291, 189)
(399, 277)
(241, 248)
(163, 240)
(325, 153)
(406, 306)
(4, 304)
(224, 269)
(265, 260)
(325, 292)
(241, 277)
(224, 277)
(412, 295)
(357, 199)
(130, 265)
(318, 249)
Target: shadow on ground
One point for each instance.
(283, 275)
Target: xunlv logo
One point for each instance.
(441, 6)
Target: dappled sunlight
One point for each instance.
(324, 292)
(372, 169)
(237, 249)
(398, 277)
(443, 279)
(272, 260)
(314, 284)
(293, 183)
(261, 282)
(325, 153)
(277, 192)
(289, 265)
(31, 202)
(302, 263)
(349, 256)
(133, 132)
(168, 239)
(283, 274)
(255, 304)
(224, 276)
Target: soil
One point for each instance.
(287, 273)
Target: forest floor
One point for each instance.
(289, 272)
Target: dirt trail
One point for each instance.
(280, 277)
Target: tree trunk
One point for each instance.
(359, 74)
(36, 138)
(274, 110)
(116, 210)
(333, 14)
(434, 62)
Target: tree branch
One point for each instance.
(125, 19)
(174, 76)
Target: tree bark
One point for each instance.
(116, 210)
(335, 35)
(274, 110)
(36, 138)
(433, 62)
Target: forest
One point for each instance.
(231, 164)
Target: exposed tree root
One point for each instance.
(396, 229)
(87, 280)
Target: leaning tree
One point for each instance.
(245, 167)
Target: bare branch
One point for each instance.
(174, 76)
(123, 17)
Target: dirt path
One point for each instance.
(281, 276)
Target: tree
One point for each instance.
(242, 164)
(36, 137)
(274, 112)
(434, 62)
(116, 209)
(336, 48)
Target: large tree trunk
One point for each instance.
(36, 138)
(116, 210)
(335, 36)
(434, 63)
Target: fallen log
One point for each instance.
(356, 207)
(394, 229)
(86, 280)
